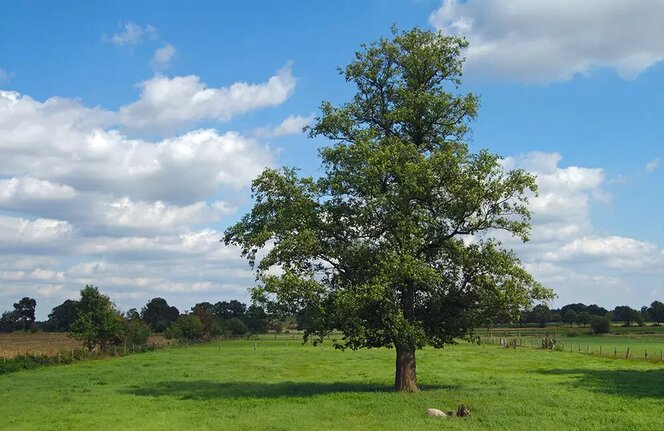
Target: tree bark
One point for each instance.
(405, 378)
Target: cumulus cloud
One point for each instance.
(292, 125)
(552, 40)
(167, 103)
(163, 55)
(651, 166)
(133, 34)
(565, 251)
(79, 190)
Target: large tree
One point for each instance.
(98, 322)
(394, 245)
(24, 310)
(159, 315)
(656, 312)
(62, 316)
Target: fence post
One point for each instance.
(627, 355)
(615, 352)
(600, 350)
(645, 354)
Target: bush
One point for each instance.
(136, 332)
(236, 327)
(187, 328)
(600, 325)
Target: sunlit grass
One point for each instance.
(282, 385)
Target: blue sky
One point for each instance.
(132, 129)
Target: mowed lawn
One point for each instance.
(282, 385)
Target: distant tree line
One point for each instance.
(584, 315)
(97, 322)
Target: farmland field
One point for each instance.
(283, 385)
(19, 343)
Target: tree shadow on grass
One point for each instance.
(631, 383)
(206, 390)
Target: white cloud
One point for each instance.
(566, 253)
(74, 191)
(651, 166)
(292, 125)
(22, 189)
(553, 40)
(133, 34)
(40, 234)
(163, 55)
(168, 103)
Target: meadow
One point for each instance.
(284, 385)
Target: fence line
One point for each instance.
(552, 344)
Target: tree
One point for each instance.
(135, 331)
(24, 312)
(159, 315)
(596, 310)
(187, 328)
(62, 316)
(394, 244)
(625, 313)
(541, 314)
(98, 323)
(205, 313)
(600, 324)
(226, 310)
(569, 316)
(235, 326)
(8, 321)
(583, 318)
(256, 319)
(656, 311)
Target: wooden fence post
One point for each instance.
(627, 355)
(645, 354)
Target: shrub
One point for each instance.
(136, 332)
(600, 325)
(187, 328)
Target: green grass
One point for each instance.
(610, 344)
(283, 385)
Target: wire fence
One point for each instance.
(548, 343)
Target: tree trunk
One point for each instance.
(405, 378)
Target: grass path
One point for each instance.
(286, 386)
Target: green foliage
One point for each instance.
(159, 315)
(600, 324)
(98, 323)
(627, 314)
(583, 318)
(235, 327)
(8, 321)
(569, 316)
(656, 311)
(257, 320)
(187, 327)
(394, 245)
(62, 316)
(136, 332)
(24, 311)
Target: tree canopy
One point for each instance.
(395, 244)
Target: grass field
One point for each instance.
(48, 343)
(606, 345)
(283, 385)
